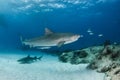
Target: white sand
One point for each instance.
(49, 68)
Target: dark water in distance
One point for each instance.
(28, 18)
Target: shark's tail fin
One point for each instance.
(21, 39)
(39, 58)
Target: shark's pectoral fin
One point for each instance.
(60, 43)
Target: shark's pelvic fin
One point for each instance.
(48, 31)
(60, 43)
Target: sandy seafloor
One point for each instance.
(49, 68)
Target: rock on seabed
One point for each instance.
(103, 59)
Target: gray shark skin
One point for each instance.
(29, 59)
(51, 39)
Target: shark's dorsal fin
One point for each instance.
(48, 31)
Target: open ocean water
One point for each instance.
(28, 18)
(95, 20)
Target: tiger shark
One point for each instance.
(51, 39)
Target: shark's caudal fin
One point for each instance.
(40, 57)
(21, 39)
(48, 31)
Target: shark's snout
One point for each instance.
(77, 36)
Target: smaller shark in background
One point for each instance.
(51, 39)
(28, 59)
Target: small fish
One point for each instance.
(115, 43)
(82, 36)
(91, 33)
(100, 35)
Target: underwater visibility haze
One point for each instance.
(59, 25)
(29, 18)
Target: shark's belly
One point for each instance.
(43, 43)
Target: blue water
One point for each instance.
(28, 18)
